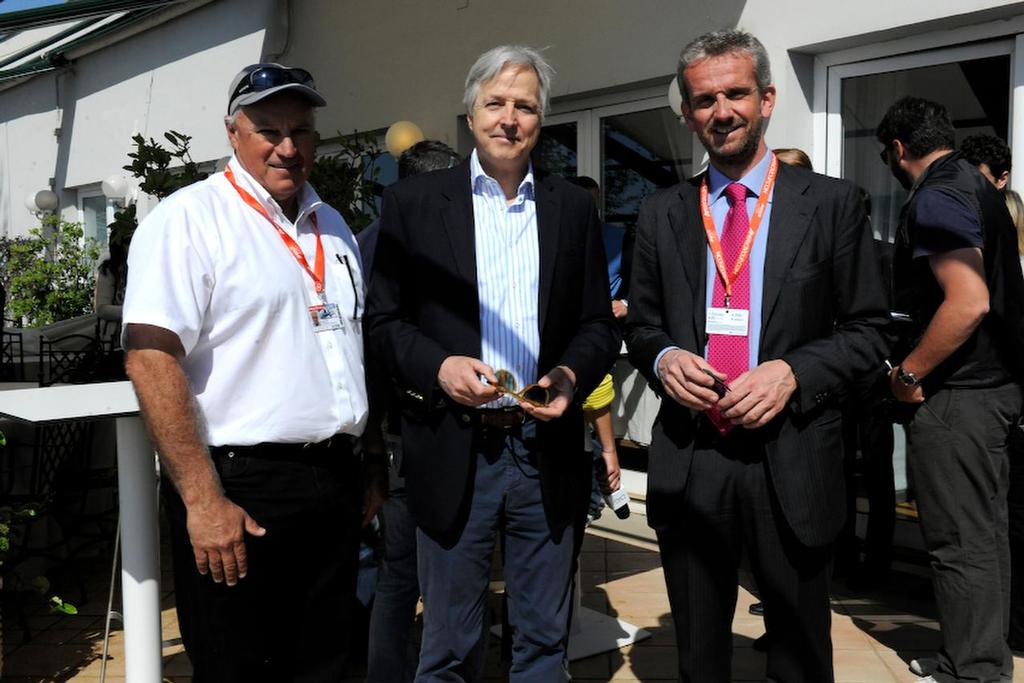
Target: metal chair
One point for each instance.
(12, 357)
(71, 359)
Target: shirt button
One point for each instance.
(330, 345)
(339, 385)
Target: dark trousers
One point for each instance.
(1016, 514)
(455, 573)
(288, 619)
(866, 431)
(393, 654)
(957, 451)
(729, 506)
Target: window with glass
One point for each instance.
(975, 91)
(93, 211)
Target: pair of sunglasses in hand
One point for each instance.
(534, 394)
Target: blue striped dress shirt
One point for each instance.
(507, 276)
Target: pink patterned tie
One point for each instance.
(730, 354)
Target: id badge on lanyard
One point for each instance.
(726, 320)
(325, 316)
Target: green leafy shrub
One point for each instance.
(347, 180)
(50, 273)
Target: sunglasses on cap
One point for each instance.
(534, 394)
(267, 77)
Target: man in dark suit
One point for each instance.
(755, 303)
(480, 268)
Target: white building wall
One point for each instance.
(172, 77)
(381, 61)
(28, 150)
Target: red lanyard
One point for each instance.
(729, 277)
(317, 272)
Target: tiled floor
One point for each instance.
(874, 635)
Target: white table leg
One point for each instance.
(140, 552)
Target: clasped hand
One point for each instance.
(753, 398)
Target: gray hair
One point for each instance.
(231, 120)
(722, 42)
(489, 64)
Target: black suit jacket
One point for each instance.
(822, 311)
(423, 307)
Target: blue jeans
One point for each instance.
(454, 575)
(392, 651)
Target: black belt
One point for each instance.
(496, 418)
(339, 444)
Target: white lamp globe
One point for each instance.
(115, 187)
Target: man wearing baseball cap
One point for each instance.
(242, 325)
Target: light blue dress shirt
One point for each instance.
(719, 202)
(507, 276)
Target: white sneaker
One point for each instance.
(924, 666)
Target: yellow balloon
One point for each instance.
(401, 136)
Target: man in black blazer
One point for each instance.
(480, 268)
(762, 468)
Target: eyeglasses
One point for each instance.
(268, 77)
(884, 156)
(534, 394)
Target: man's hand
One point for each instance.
(560, 383)
(757, 396)
(375, 484)
(902, 392)
(459, 377)
(619, 308)
(217, 528)
(686, 381)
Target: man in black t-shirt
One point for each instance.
(955, 272)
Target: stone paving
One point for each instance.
(874, 634)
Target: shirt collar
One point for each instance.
(480, 180)
(753, 180)
(309, 200)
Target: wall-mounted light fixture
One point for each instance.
(42, 202)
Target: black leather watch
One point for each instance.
(907, 379)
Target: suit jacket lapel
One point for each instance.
(549, 212)
(791, 216)
(457, 216)
(684, 219)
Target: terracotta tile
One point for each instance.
(860, 666)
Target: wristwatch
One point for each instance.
(907, 379)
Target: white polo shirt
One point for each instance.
(211, 269)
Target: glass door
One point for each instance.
(973, 82)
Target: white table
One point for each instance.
(140, 557)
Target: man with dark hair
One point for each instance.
(392, 653)
(489, 308)
(426, 156)
(956, 273)
(423, 157)
(991, 155)
(755, 305)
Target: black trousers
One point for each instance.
(289, 619)
(1016, 514)
(958, 452)
(728, 507)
